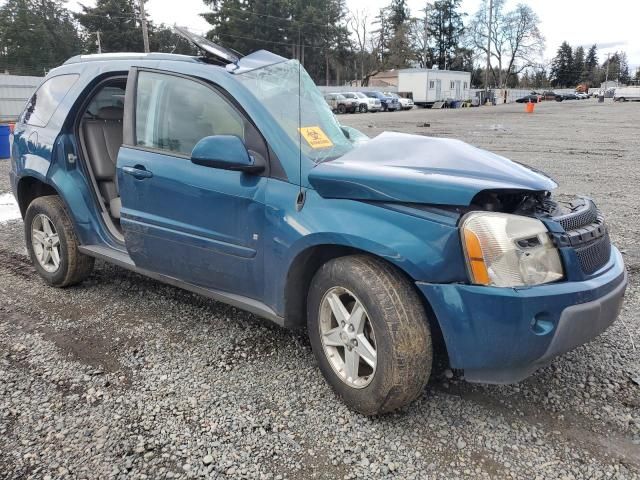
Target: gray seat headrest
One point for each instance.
(110, 113)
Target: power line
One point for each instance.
(246, 12)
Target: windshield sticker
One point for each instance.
(315, 137)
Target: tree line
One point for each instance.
(37, 35)
(335, 44)
(572, 66)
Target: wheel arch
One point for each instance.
(307, 262)
(29, 188)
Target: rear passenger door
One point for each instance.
(195, 223)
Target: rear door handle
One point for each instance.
(138, 172)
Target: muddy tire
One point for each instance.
(389, 333)
(52, 243)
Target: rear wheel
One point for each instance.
(52, 243)
(342, 108)
(622, 99)
(369, 334)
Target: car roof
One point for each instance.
(105, 57)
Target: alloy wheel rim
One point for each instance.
(45, 242)
(347, 337)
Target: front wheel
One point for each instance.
(52, 243)
(369, 333)
(364, 108)
(342, 109)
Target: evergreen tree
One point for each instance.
(399, 14)
(624, 76)
(36, 35)
(241, 25)
(591, 66)
(399, 47)
(313, 31)
(382, 36)
(578, 65)
(446, 29)
(117, 22)
(163, 39)
(562, 74)
(618, 68)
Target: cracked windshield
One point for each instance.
(296, 104)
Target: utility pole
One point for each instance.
(98, 41)
(143, 22)
(606, 78)
(486, 72)
(383, 36)
(426, 34)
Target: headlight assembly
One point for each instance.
(509, 250)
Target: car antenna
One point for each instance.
(301, 195)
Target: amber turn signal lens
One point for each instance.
(476, 260)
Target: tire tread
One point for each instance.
(406, 324)
(79, 265)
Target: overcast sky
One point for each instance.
(613, 24)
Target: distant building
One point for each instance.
(384, 79)
(428, 86)
(15, 90)
(609, 84)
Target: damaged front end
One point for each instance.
(576, 227)
(524, 238)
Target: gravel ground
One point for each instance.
(123, 377)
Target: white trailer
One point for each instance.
(428, 86)
(624, 94)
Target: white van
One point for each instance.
(623, 94)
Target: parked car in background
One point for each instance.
(341, 104)
(389, 104)
(582, 95)
(373, 105)
(570, 96)
(551, 95)
(533, 98)
(626, 94)
(365, 104)
(203, 174)
(405, 103)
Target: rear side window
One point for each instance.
(174, 113)
(42, 104)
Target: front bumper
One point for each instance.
(502, 335)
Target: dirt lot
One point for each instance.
(123, 377)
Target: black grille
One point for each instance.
(595, 254)
(587, 233)
(587, 215)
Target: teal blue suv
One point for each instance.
(231, 177)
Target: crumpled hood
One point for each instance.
(399, 167)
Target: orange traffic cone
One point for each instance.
(529, 107)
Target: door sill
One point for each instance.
(122, 259)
